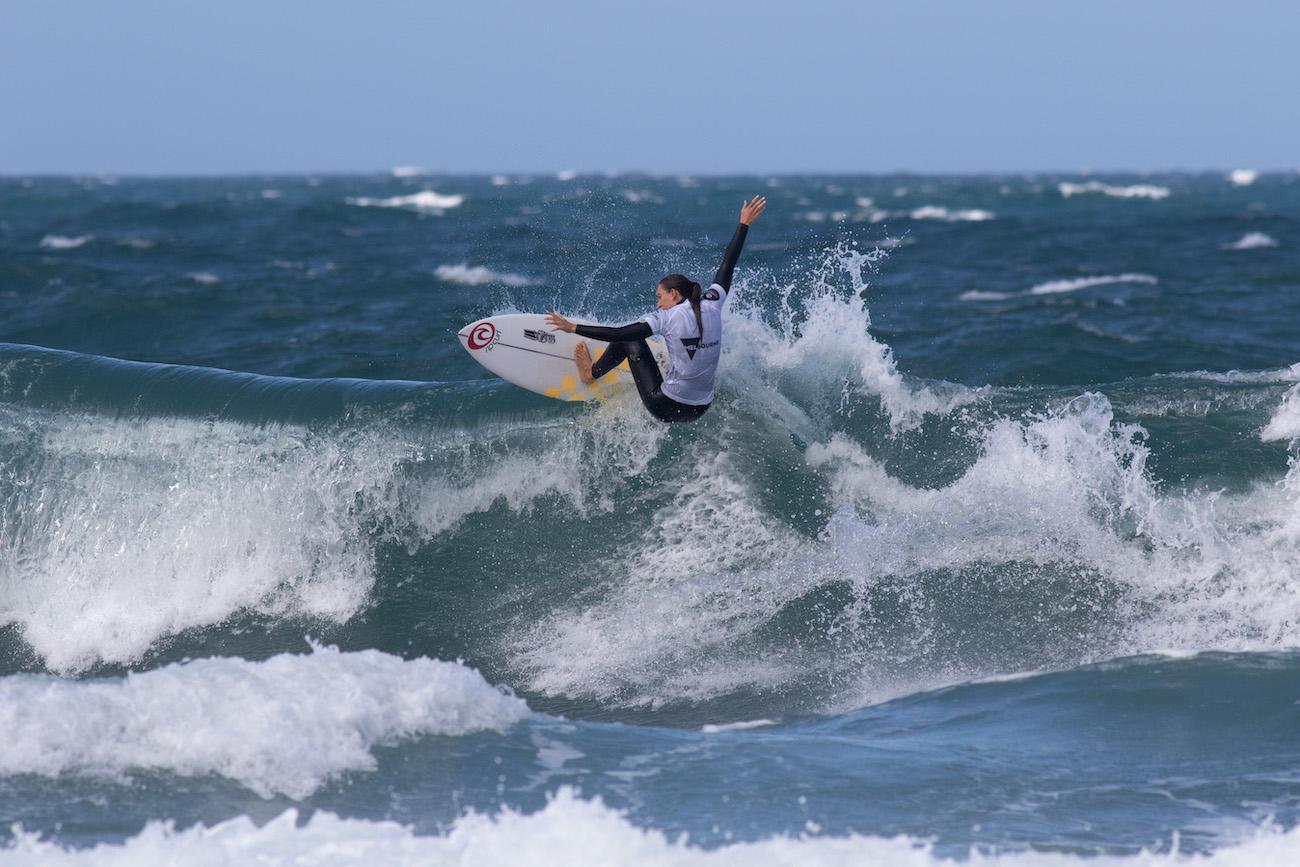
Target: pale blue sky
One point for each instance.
(237, 86)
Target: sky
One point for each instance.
(708, 86)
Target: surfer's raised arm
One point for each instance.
(749, 212)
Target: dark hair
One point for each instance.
(690, 291)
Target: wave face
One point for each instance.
(990, 540)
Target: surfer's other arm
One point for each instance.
(749, 212)
(634, 331)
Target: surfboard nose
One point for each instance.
(480, 335)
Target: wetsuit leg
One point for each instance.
(648, 379)
(611, 358)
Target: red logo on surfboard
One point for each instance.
(483, 335)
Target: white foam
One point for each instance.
(866, 213)
(938, 212)
(122, 532)
(1071, 285)
(744, 725)
(425, 202)
(1136, 191)
(1242, 177)
(63, 242)
(478, 275)
(136, 243)
(272, 194)
(204, 278)
(980, 295)
(663, 637)
(1285, 423)
(570, 830)
(566, 175)
(1054, 287)
(835, 336)
(1285, 374)
(281, 726)
(500, 181)
(409, 172)
(1251, 241)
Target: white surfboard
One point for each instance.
(522, 349)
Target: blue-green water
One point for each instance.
(991, 538)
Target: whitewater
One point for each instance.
(988, 552)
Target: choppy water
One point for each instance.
(989, 548)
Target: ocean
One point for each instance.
(988, 550)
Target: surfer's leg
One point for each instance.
(648, 379)
(611, 358)
(645, 372)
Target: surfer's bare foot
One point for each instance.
(582, 356)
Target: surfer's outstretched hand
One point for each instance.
(559, 323)
(751, 210)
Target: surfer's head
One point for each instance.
(676, 288)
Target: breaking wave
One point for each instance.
(281, 726)
(572, 830)
(1134, 191)
(843, 533)
(1252, 241)
(424, 202)
(1055, 287)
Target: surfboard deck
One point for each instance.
(522, 349)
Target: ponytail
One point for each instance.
(690, 291)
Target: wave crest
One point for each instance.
(575, 831)
(1134, 191)
(281, 726)
(424, 202)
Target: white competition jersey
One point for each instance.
(692, 362)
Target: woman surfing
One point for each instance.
(689, 323)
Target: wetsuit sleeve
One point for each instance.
(730, 257)
(635, 331)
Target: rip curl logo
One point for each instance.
(484, 336)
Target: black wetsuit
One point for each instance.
(628, 342)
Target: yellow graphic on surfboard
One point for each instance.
(522, 349)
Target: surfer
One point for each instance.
(691, 326)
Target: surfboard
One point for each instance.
(522, 349)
